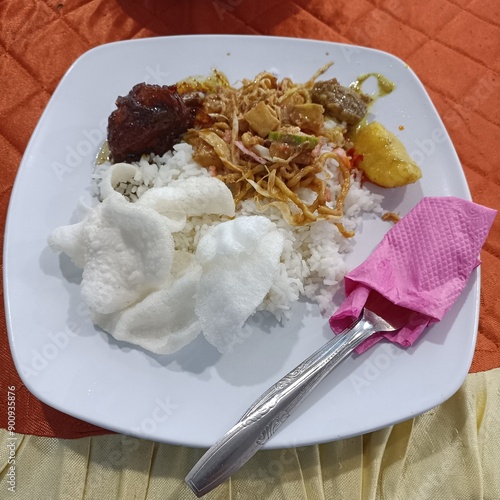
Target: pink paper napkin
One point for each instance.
(418, 270)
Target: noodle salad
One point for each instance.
(270, 141)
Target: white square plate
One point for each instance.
(193, 397)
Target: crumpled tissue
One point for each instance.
(418, 270)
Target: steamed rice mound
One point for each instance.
(165, 255)
(312, 261)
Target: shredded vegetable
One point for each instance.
(269, 141)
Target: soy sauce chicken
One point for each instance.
(151, 118)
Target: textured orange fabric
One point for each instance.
(453, 45)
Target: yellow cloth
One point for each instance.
(451, 452)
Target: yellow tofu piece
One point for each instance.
(261, 119)
(385, 159)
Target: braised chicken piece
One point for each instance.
(342, 103)
(150, 119)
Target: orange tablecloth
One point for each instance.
(452, 45)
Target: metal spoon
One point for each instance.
(267, 414)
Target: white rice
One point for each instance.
(312, 263)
